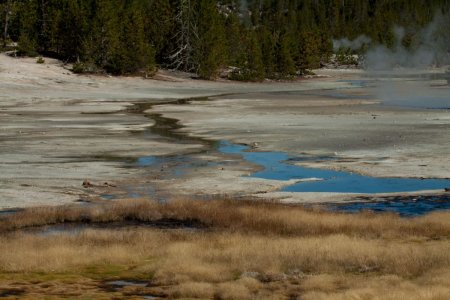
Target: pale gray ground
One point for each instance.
(57, 129)
(348, 124)
(366, 138)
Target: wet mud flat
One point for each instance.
(279, 166)
(358, 154)
(266, 165)
(132, 138)
(367, 138)
(58, 129)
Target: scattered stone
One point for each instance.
(447, 189)
(87, 184)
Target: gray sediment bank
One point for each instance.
(92, 128)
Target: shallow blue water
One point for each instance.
(275, 166)
(107, 196)
(278, 166)
(409, 206)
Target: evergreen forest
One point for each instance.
(257, 38)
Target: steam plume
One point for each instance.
(431, 48)
(355, 44)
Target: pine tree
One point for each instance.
(286, 64)
(251, 67)
(27, 37)
(72, 29)
(210, 49)
(139, 54)
(254, 58)
(309, 51)
(236, 38)
(158, 17)
(42, 24)
(97, 45)
(268, 49)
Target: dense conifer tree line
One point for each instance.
(260, 38)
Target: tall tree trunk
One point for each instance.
(7, 13)
(182, 58)
(43, 37)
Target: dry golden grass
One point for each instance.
(247, 251)
(238, 216)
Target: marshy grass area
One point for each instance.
(222, 249)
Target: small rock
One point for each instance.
(87, 184)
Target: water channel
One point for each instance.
(281, 166)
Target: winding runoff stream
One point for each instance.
(279, 166)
